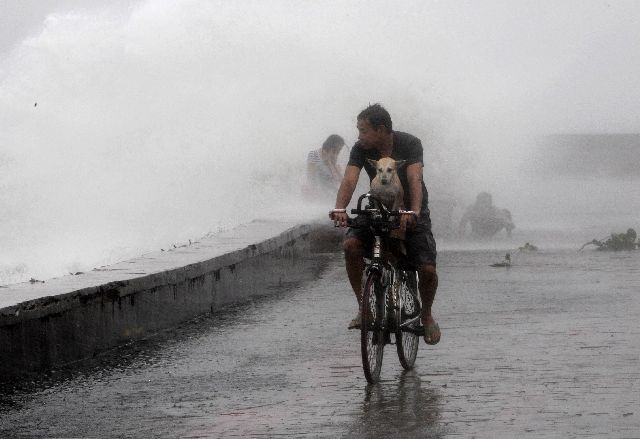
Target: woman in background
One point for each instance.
(323, 172)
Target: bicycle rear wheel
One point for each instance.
(407, 341)
(371, 333)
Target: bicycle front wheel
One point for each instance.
(407, 340)
(372, 335)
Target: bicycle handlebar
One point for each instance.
(376, 211)
(381, 208)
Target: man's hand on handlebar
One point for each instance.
(339, 217)
(408, 220)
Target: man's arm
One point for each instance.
(345, 192)
(347, 186)
(414, 180)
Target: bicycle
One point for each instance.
(390, 300)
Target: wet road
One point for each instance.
(546, 348)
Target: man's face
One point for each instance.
(371, 137)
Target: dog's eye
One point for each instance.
(389, 169)
(380, 169)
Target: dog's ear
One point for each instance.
(373, 163)
(400, 164)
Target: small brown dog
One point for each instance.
(386, 185)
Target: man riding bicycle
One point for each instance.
(376, 140)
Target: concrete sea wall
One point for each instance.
(50, 324)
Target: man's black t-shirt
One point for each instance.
(405, 147)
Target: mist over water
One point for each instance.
(127, 129)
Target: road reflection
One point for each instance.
(404, 406)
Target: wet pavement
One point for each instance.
(546, 348)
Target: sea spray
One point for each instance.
(126, 130)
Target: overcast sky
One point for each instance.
(22, 18)
(577, 57)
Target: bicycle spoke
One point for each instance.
(372, 336)
(407, 338)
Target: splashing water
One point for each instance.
(124, 131)
(123, 134)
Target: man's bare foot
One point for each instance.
(431, 330)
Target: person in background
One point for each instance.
(323, 172)
(485, 219)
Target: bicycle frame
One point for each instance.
(384, 292)
(387, 278)
(391, 276)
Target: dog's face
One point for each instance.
(386, 168)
